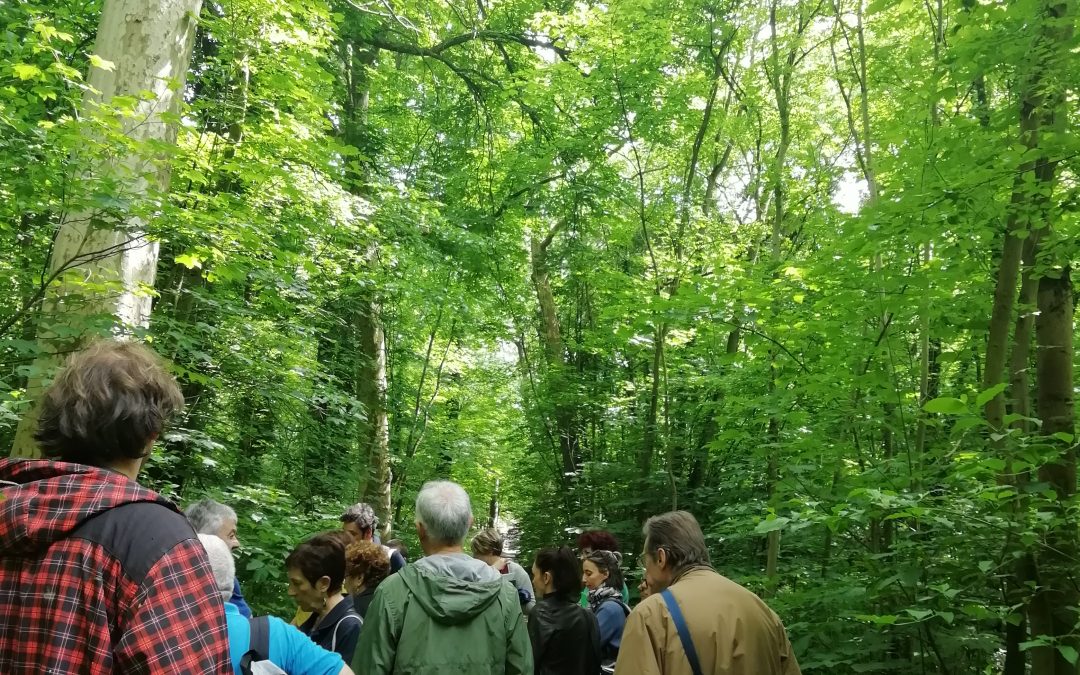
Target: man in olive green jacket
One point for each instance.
(447, 613)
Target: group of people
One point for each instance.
(101, 575)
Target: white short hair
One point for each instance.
(208, 516)
(221, 562)
(444, 509)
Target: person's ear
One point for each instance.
(661, 558)
(323, 584)
(421, 532)
(547, 579)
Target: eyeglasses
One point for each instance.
(643, 559)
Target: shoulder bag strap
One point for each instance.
(260, 636)
(684, 632)
(258, 643)
(350, 615)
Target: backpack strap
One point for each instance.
(625, 607)
(351, 615)
(259, 645)
(684, 632)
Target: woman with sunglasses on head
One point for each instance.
(604, 581)
(598, 540)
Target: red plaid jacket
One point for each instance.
(101, 576)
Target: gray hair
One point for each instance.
(221, 562)
(678, 533)
(444, 509)
(207, 516)
(362, 514)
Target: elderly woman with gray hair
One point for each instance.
(487, 546)
(210, 517)
(289, 649)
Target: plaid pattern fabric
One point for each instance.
(69, 605)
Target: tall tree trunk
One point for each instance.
(104, 264)
(1041, 114)
(555, 353)
(1016, 588)
(371, 392)
(370, 385)
(1053, 610)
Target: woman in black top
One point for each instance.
(316, 570)
(366, 565)
(565, 637)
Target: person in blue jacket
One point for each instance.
(603, 580)
(290, 650)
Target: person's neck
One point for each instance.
(126, 467)
(331, 603)
(444, 549)
(492, 560)
(679, 574)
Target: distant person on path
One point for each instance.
(98, 575)
(288, 648)
(604, 581)
(697, 616)
(598, 540)
(565, 636)
(447, 613)
(359, 522)
(316, 570)
(210, 517)
(487, 546)
(366, 566)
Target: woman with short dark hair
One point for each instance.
(316, 570)
(565, 637)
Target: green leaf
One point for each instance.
(771, 525)
(98, 62)
(920, 614)
(26, 71)
(946, 406)
(988, 395)
(879, 619)
(189, 260)
(1068, 653)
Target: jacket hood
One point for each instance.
(42, 501)
(452, 588)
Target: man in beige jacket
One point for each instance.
(731, 631)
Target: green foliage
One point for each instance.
(621, 267)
